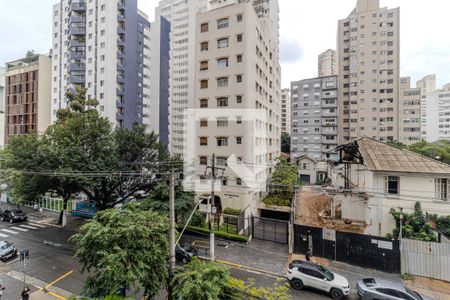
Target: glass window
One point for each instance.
(203, 65)
(239, 140)
(204, 46)
(222, 43)
(222, 23)
(442, 186)
(222, 102)
(204, 84)
(239, 58)
(222, 141)
(392, 184)
(239, 38)
(222, 122)
(203, 160)
(203, 103)
(203, 123)
(222, 82)
(239, 99)
(204, 27)
(238, 78)
(239, 18)
(203, 141)
(222, 63)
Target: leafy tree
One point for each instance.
(285, 143)
(414, 226)
(438, 150)
(123, 249)
(282, 184)
(248, 290)
(199, 280)
(30, 53)
(397, 144)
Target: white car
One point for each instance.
(305, 274)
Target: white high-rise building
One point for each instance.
(102, 46)
(286, 111)
(328, 63)
(2, 107)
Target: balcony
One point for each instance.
(79, 6)
(120, 104)
(121, 5)
(119, 117)
(329, 114)
(120, 79)
(120, 55)
(326, 141)
(76, 79)
(77, 43)
(76, 67)
(77, 30)
(121, 42)
(77, 55)
(120, 92)
(120, 18)
(120, 67)
(77, 19)
(121, 30)
(329, 105)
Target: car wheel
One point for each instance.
(10, 221)
(3, 219)
(336, 294)
(297, 284)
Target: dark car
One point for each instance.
(7, 250)
(14, 215)
(375, 289)
(184, 254)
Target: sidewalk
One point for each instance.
(435, 289)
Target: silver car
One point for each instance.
(380, 289)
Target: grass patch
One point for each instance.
(276, 200)
(407, 277)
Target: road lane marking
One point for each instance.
(36, 224)
(56, 295)
(3, 235)
(10, 231)
(58, 279)
(18, 228)
(29, 227)
(10, 262)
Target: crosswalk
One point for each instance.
(19, 228)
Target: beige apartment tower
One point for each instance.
(328, 63)
(286, 111)
(368, 59)
(409, 112)
(238, 96)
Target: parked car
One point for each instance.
(140, 194)
(306, 274)
(184, 254)
(380, 289)
(14, 215)
(7, 250)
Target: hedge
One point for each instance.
(219, 234)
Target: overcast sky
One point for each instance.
(307, 28)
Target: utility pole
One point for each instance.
(211, 207)
(171, 228)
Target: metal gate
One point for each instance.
(270, 230)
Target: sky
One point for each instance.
(307, 28)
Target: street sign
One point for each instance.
(24, 255)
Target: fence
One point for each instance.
(52, 204)
(426, 259)
(270, 230)
(228, 223)
(357, 249)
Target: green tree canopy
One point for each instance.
(285, 143)
(438, 150)
(123, 249)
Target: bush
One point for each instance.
(232, 211)
(277, 200)
(219, 234)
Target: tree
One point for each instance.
(397, 144)
(29, 54)
(239, 289)
(123, 249)
(282, 184)
(439, 150)
(285, 143)
(199, 280)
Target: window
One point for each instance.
(239, 18)
(204, 27)
(204, 84)
(221, 161)
(239, 38)
(203, 123)
(203, 103)
(239, 78)
(203, 141)
(238, 181)
(238, 140)
(222, 122)
(222, 43)
(239, 58)
(204, 46)
(203, 160)
(442, 186)
(203, 65)
(222, 23)
(222, 141)
(222, 102)
(222, 82)
(238, 120)
(222, 63)
(305, 166)
(392, 185)
(238, 99)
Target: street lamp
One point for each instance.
(401, 223)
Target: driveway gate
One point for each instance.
(270, 230)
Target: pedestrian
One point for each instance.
(308, 255)
(36, 207)
(25, 293)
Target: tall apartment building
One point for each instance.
(100, 45)
(2, 107)
(328, 63)
(426, 85)
(436, 114)
(409, 112)
(314, 117)
(238, 100)
(368, 60)
(286, 111)
(28, 95)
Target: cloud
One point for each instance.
(290, 50)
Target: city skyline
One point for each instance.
(299, 45)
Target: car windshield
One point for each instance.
(17, 211)
(412, 293)
(4, 245)
(328, 275)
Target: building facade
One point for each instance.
(27, 95)
(328, 63)
(286, 111)
(409, 112)
(436, 114)
(314, 117)
(238, 102)
(2, 107)
(369, 60)
(99, 45)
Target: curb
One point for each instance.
(231, 264)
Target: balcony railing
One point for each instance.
(77, 55)
(77, 19)
(77, 79)
(120, 79)
(77, 30)
(78, 6)
(77, 67)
